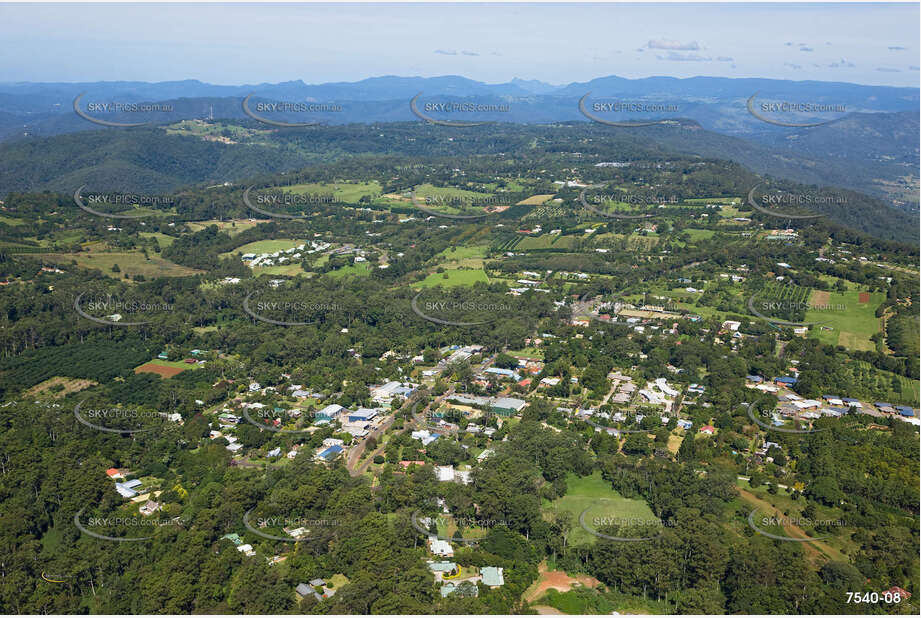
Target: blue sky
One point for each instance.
(555, 43)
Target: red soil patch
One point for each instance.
(161, 370)
(558, 580)
(864, 297)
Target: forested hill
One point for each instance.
(168, 159)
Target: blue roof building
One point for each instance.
(330, 453)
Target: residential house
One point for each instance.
(440, 547)
(492, 576)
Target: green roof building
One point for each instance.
(492, 576)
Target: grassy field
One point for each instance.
(285, 270)
(266, 246)
(851, 322)
(536, 200)
(345, 192)
(452, 278)
(455, 201)
(129, 263)
(456, 254)
(231, 227)
(544, 241)
(698, 235)
(360, 269)
(162, 239)
(596, 495)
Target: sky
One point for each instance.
(555, 43)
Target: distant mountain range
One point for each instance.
(870, 146)
(717, 103)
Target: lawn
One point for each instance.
(266, 246)
(453, 278)
(361, 269)
(852, 323)
(595, 494)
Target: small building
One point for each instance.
(440, 547)
(114, 473)
(443, 567)
(149, 508)
(784, 381)
(444, 473)
(492, 576)
(246, 549)
(234, 538)
(708, 429)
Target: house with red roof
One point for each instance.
(708, 429)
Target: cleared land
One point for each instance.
(452, 278)
(129, 263)
(595, 494)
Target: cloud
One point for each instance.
(641, 49)
(673, 45)
(912, 68)
(841, 64)
(679, 57)
(469, 53)
(888, 70)
(795, 67)
(444, 52)
(724, 59)
(789, 44)
(806, 49)
(896, 48)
